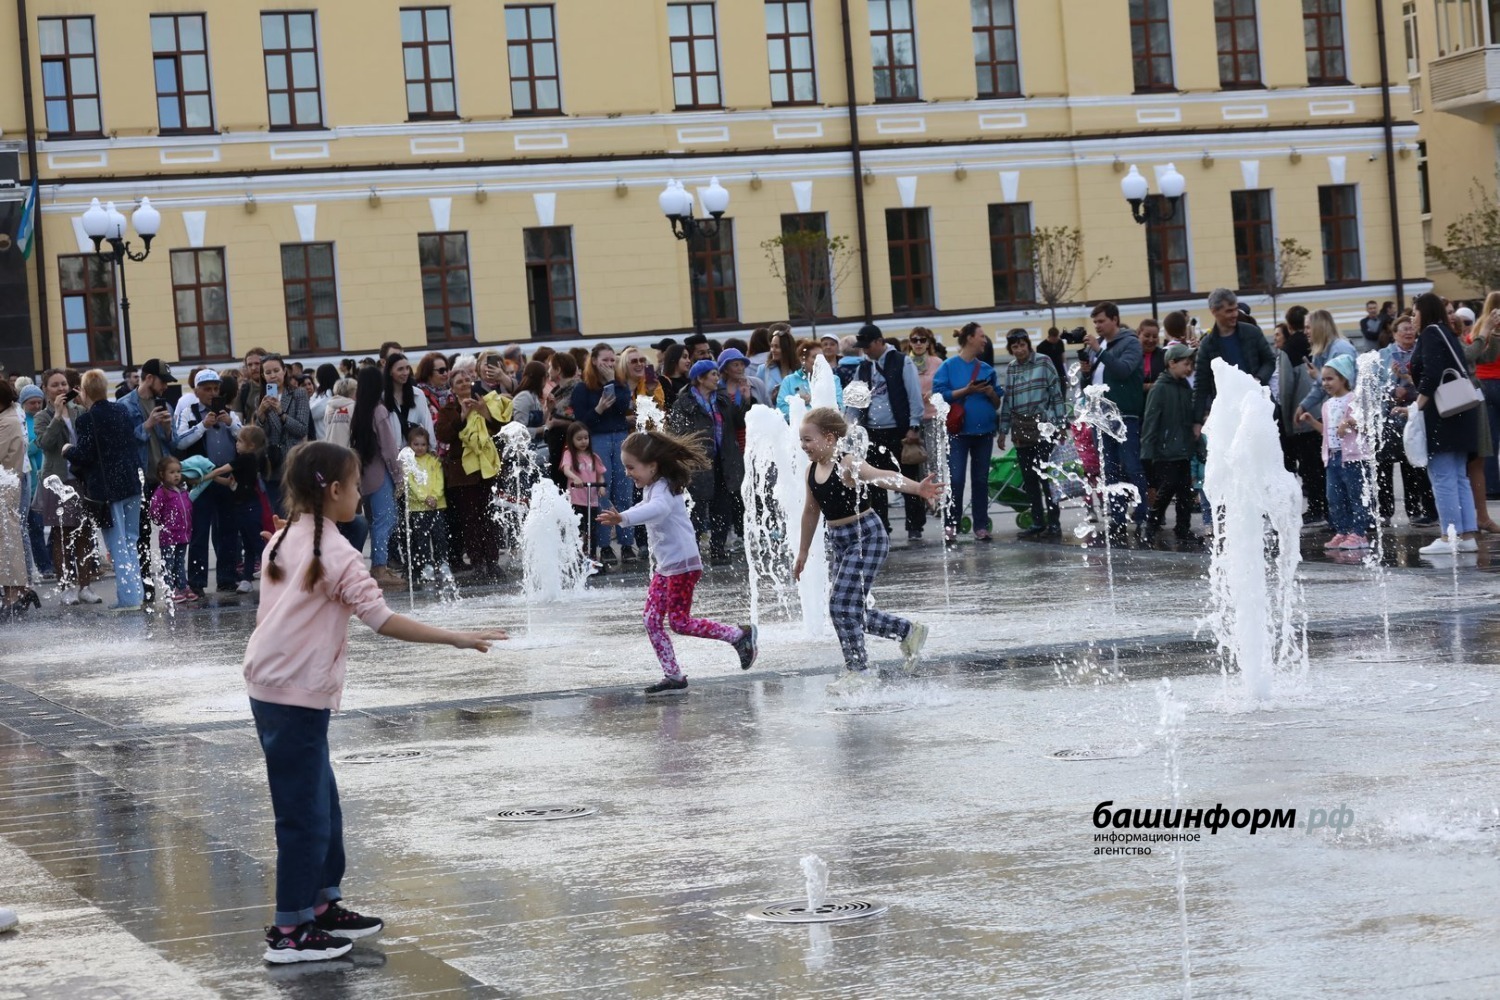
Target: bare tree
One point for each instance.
(1058, 267)
(810, 265)
(1473, 250)
(1290, 261)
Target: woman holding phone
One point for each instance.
(601, 403)
(285, 415)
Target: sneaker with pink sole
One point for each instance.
(1336, 542)
(1355, 542)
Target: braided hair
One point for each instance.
(310, 469)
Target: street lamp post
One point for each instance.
(677, 205)
(103, 224)
(1150, 213)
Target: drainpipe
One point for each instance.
(1390, 155)
(39, 251)
(859, 180)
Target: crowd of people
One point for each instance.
(94, 471)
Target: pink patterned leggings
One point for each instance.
(669, 601)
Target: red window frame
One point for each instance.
(1011, 269)
(781, 47)
(178, 98)
(1171, 245)
(442, 277)
(548, 249)
(1338, 215)
(289, 57)
(711, 274)
(1239, 44)
(1254, 240)
(302, 324)
(424, 48)
(899, 78)
(692, 75)
(1323, 36)
(91, 278)
(523, 50)
(204, 301)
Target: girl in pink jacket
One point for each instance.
(312, 580)
(172, 512)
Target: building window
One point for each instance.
(201, 298)
(804, 267)
(1239, 44)
(1168, 241)
(70, 76)
(446, 294)
(909, 245)
(90, 322)
(179, 45)
(550, 287)
(1409, 34)
(1323, 35)
(290, 44)
(695, 55)
(1459, 25)
(1151, 45)
(427, 52)
(893, 50)
(789, 50)
(312, 299)
(1254, 244)
(1010, 255)
(997, 70)
(1424, 198)
(1338, 209)
(711, 271)
(531, 35)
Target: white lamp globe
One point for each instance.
(95, 220)
(1133, 185)
(146, 220)
(715, 199)
(1172, 183)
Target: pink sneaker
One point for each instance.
(1355, 542)
(1336, 542)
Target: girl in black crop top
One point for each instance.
(857, 544)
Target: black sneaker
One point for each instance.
(748, 646)
(347, 924)
(305, 944)
(668, 685)
(627, 554)
(607, 556)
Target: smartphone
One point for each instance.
(609, 391)
(650, 373)
(272, 391)
(71, 395)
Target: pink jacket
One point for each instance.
(296, 653)
(173, 510)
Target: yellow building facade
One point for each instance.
(335, 176)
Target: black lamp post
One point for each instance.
(677, 205)
(1147, 212)
(106, 225)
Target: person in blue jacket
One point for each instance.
(601, 403)
(967, 380)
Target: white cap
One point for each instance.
(1464, 313)
(206, 376)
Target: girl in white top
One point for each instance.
(661, 465)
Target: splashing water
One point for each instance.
(1173, 713)
(1257, 508)
(410, 470)
(1369, 411)
(815, 871)
(649, 416)
(1097, 412)
(937, 462)
(772, 492)
(554, 565)
(857, 395)
(63, 490)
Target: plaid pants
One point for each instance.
(855, 554)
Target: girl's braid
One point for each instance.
(315, 568)
(272, 570)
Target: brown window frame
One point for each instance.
(288, 57)
(1162, 233)
(528, 47)
(556, 251)
(70, 98)
(692, 74)
(177, 56)
(1336, 253)
(98, 279)
(308, 318)
(427, 81)
(1319, 25)
(783, 41)
(1254, 238)
(1228, 25)
(990, 69)
(708, 281)
(814, 222)
(883, 40)
(443, 269)
(911, 250)
(197, 287)
(1011, 262)
(1144, 14)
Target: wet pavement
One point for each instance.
(136, 840)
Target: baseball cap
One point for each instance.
(206, 376)
(1179, 351)
(867, 335)
(158, 368)
(663, 344)
(1464, 313)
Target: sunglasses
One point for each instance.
(920, 340)
(440, 371)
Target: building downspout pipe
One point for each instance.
(859, 179)
(1390, 155)
(39, 245)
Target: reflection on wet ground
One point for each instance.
(136, 841)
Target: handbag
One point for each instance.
(1458, 394)
(956, 410)
(912, 453)
(1414, 438)
(1026, 430)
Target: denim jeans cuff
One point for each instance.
(329, 895)
(292, 918)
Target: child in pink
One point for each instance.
(172, 510)
(586, 474)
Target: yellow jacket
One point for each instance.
(425, 481)
(480, 453)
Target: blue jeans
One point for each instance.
(41, 552)
(121, 538)
(974, 451)
(305, 801)
(357, 532)
(1122, 464)
(621, 489)
(1344, 484)
(382, 522)
(1448, 471)
(174, 566)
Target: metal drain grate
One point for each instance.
(832, 911)
(380, 756)
(1090, 753)
(885, 709)
(537, 814)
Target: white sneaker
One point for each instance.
(852, 681)
(1468, 545)
(8, 920)
(245, 587)
(1438, 547)
(911, 646)
(87, 596)
(70, 599)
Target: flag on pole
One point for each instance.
(27, 228)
